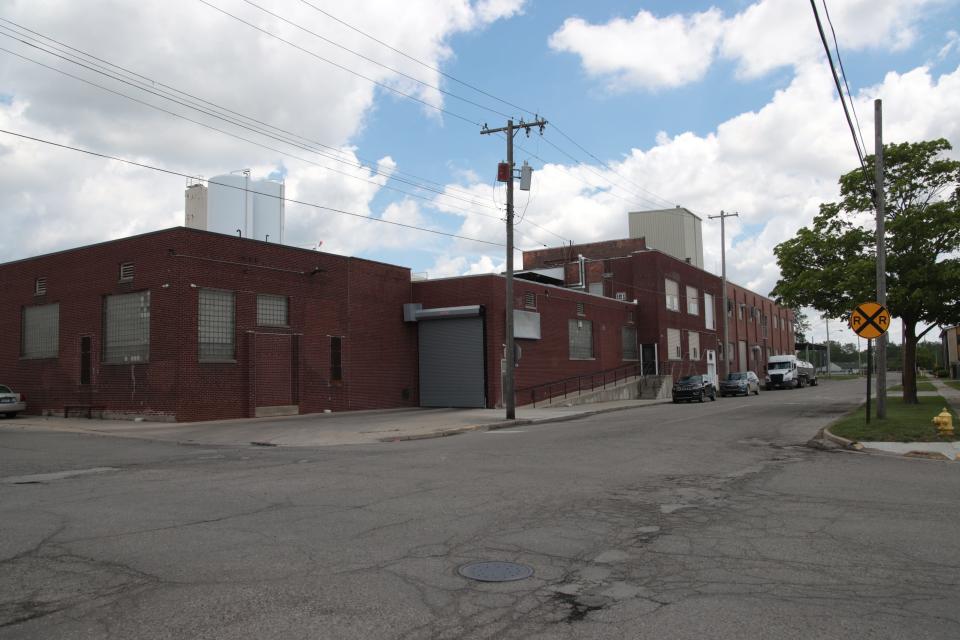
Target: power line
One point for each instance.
(269, 195)
(836, 81)
(371, 60)
(325, 39)
(155, 84)
(433, 202)
(417, 60)
(439, 192)
(382, 85)
(843, 72)
(490, 95)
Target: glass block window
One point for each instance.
(216, 331)
(40, 334)
(126, 328)
(39, 286)
(673, 295)
(272, 311)
(629, 343)
(693, 301)
(581, 339)
(336, 359)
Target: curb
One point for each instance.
(506, 424)
(843, 442)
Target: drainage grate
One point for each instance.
(495, 571)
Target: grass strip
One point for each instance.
(921, 386)
(904, 422)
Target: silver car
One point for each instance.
(740, 382)
(11, 403)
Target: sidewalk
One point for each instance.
(326, 429)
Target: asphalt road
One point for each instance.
(690, 521)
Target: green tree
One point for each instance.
(831, 266)
(801, 325)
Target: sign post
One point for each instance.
(869, 320)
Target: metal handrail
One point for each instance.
(579, 384)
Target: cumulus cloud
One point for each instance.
(204, 53)
(650, 52)
(646, 51)
(774, 166)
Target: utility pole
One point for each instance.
(723, 268)
(881, 256)
(828, 344)
(509, 401)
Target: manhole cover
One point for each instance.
(495, 571)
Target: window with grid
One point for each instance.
(216, 331)
(629, 343)
(39, 286)
(581, 339)
(693, 301)
(272, 311)
(673, 295)
(530, 300)
(621, 295)
(40, 334)
(126, 328)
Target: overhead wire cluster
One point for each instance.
(620, 186)
(845, 96)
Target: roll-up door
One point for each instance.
(452, 362)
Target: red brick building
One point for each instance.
(191, 325)
(679, 305)
(185, 325)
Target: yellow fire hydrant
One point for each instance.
(944, 423)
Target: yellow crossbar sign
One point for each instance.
(870, 320)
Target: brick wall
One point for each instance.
(328, 295)
(545, 360)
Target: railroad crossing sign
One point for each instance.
(870, 320)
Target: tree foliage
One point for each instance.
(831, 266)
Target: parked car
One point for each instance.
(694, 388)
(740, 382)
(11, 403)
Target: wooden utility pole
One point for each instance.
(881, 256)
(723, 268)
(509, 400)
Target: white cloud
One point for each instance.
(953, 44)
(646, 51)
(200, 51)
(650, 52)
(774, 166)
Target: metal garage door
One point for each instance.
(451, 362)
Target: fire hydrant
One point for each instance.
(944, 423)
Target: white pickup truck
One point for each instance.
(789, 372)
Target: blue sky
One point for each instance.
(725, 105)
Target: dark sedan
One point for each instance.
(694, 388)
(740, 382)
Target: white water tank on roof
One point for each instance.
(236, 204)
